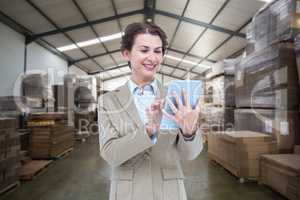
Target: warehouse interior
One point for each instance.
(58, 57)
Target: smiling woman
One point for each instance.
(144, 159)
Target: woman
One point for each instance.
(145, 160)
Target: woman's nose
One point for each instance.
(152, 57)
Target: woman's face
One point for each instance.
(145, 56)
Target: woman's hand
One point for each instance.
(154, 114)
(184, 115)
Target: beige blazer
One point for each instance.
(141, 170)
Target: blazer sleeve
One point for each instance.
(116, 149)
(189, 150)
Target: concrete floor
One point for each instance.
(85, 176)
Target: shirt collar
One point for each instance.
(133, 86)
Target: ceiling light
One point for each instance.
(111, 37)
(67, 48)
(267, 1)
(204, 66)
(187, 61)
(90, 42)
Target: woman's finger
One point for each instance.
(172, 106)
(186, 98)
(177, 100)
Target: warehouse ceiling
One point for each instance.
(87, 32)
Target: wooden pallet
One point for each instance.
(231, 170)
(64, 154)
(33, 168)
(10, 188)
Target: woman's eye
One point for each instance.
(144, 50)
(158, 52)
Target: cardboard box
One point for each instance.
(281, 172)
(268, 79)
(49, 142)
(239, 151)
(280, 124)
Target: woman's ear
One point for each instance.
(126, 55)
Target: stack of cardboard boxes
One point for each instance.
(50, 135)
(9, 153)
(266, 81)
(218, 109)
(239, 151)
(282, 173)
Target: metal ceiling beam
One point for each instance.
(200, 23)
(116, 13)
(220, 45)
(177, 27)
(93, 30)
(97, 55)
(179, 68)
(203, 32)
(109, 69)
(179, 22)
(190, 55)
(118, 50)
(83, 25)
(149, 6)
(57, 27)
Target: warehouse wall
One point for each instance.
(40, 59)
(75, 70)
(12, 55)
(11, 59)
(114, 83)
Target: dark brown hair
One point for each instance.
(132, 30)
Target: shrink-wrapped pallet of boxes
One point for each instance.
(9, 154)
(50, 135)
(275, 22)
(281, 172)
(219, 99)
(239, 151)
(268, 79)
(59, 95)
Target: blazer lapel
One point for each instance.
(126, 100)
